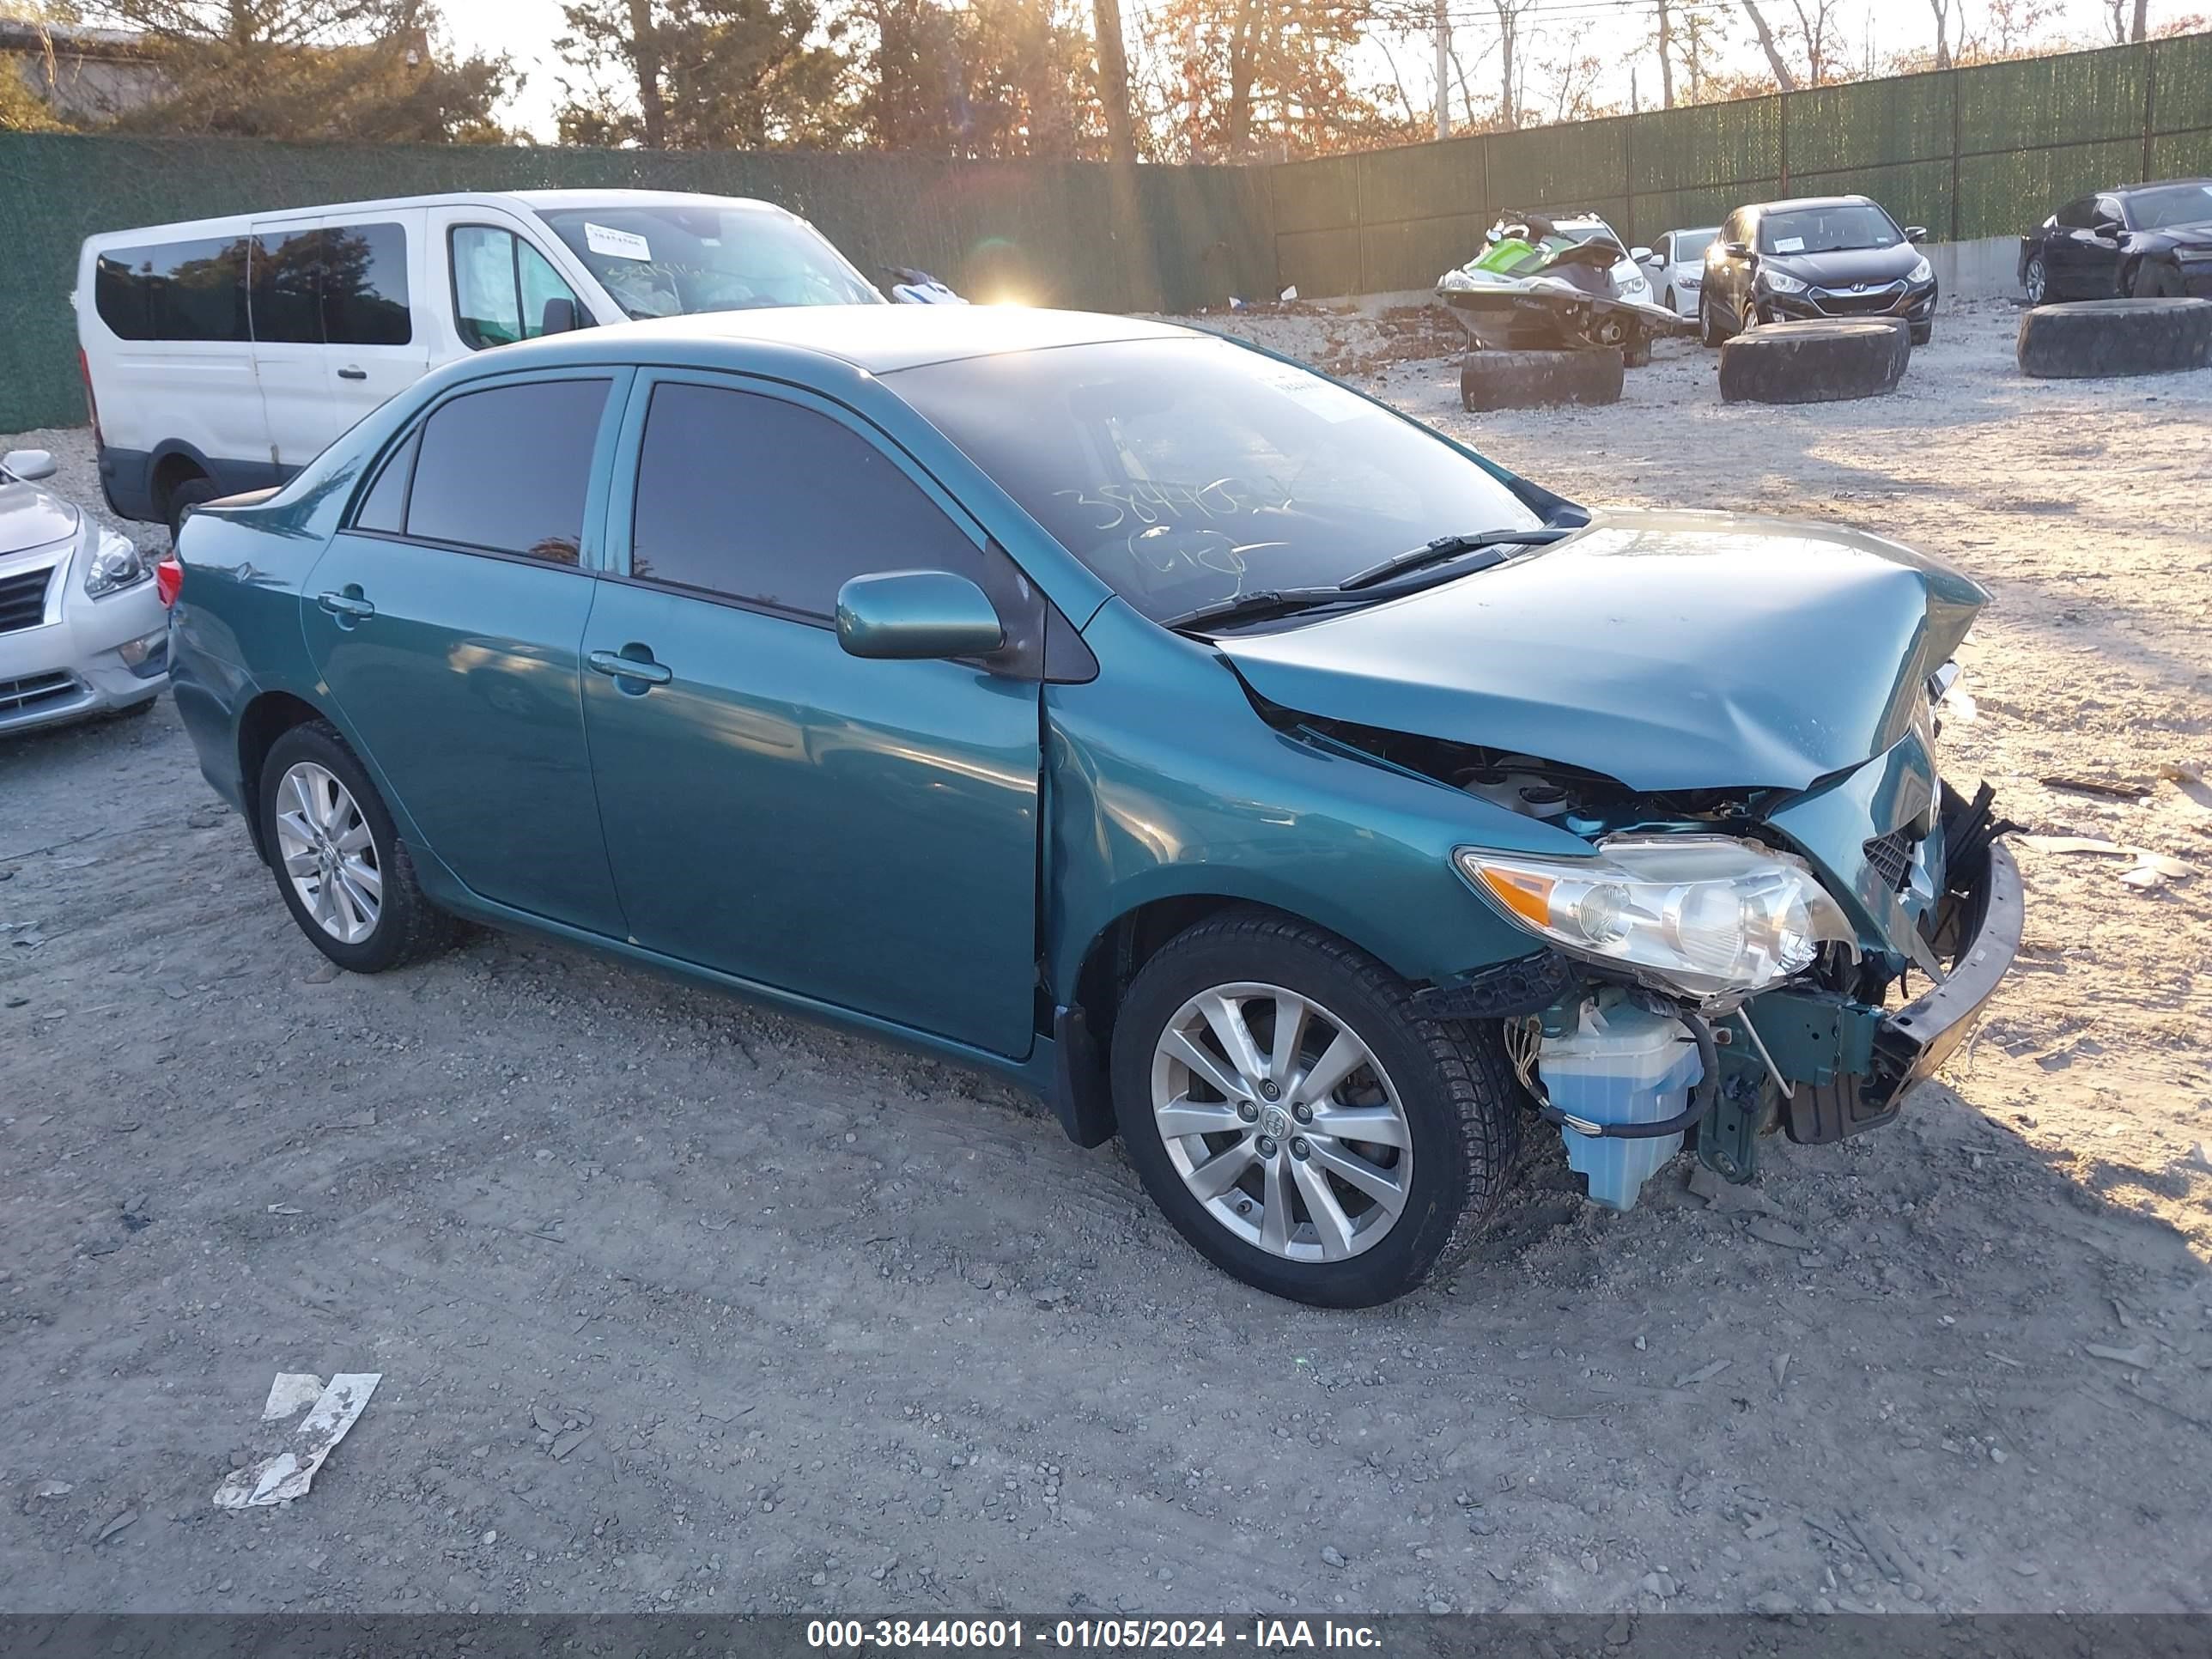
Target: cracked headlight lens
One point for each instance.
(1704, 915)
(116, 564)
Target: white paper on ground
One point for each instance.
(288, 1474)
(291, 1392)
(616, 244)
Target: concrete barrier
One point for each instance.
(1986, 269)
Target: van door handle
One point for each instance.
(620, 666)
(353, 375)
(346, 606)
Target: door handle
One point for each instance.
(353, 375)
(616, 665)
(346, 606)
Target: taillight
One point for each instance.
(169, 580)
(91, 403)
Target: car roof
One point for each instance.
(2153, 183)
(540, 200)
(880, 339)
(1790, 205)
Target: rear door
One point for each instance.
(287, 305)
(861, 832)
(446, 619)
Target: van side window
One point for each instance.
(344, 285)
(508, 468)
(501, 285)
(173, 290)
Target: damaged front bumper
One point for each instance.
(1846, 1065)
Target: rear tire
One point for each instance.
(2035, 280)
(195, 491)
(1437, 1100)
(344, 874)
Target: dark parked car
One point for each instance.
(1248, 769)
(1815, 256)
(2146, 240)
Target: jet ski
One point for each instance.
(1535, 287)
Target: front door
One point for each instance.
(446, 619)
(861, 832)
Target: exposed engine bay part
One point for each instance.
(1540, 379)
(1816, 362)
(1531, 288)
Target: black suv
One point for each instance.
(1815, 256)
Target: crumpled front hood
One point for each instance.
(30, 518)
(1666, 650)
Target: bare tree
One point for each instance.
(1666, 56)
(1775, 61)
(1816, 31)
(1510, 14)
(1944, 9)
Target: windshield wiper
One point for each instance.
(1451, 547)
(1261, 602)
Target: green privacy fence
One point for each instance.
(1043, 232)
(1986, 151)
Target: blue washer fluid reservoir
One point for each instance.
(1622, 1064)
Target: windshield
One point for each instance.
(672, 258)
(1691, 244)
(1827, 229)
(1187, 471)
(2170, 204)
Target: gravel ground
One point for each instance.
(681, 1304)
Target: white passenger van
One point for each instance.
(222, 354)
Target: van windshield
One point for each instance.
(669, 258)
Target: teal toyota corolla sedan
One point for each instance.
(1256, 774)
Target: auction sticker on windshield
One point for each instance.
(616, 244)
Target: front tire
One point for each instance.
(2154, 280)
(1298, 1120)
(345, 875)
(1710, 332)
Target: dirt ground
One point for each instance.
(681, 1304)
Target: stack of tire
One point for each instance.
(2083, 340)
(1824, 361)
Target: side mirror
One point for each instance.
(906, 614)
(27, 464)
(1916, 233)
(1736, 250)
(559, 316)
(2111, 227)
(1641, 255)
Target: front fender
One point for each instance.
(1162, 782)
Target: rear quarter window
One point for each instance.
(190, 290)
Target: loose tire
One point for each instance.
(1637, 354)
(1299, 1122)
(2035, 280)
(2083, 339)
(2155, 281)
(1534, 380)
(1816, 362)
(345, 875)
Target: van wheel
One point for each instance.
(1299, 1121)
(344, 873)
(183, 497)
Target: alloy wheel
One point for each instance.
(328, 854)
(1281, 1122)
(2036, 281)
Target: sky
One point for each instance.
(525, 30)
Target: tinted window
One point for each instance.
(1185, 471)
(768, 502)
(365, 285)
(385, 506)
(173, 291)
(288, 287)
(345, 285)
(2078, 215)
(508, 468)
(501, 285)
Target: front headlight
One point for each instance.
(1780, 282)
(1921, 271)
(1705, 915)
(115, 564)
